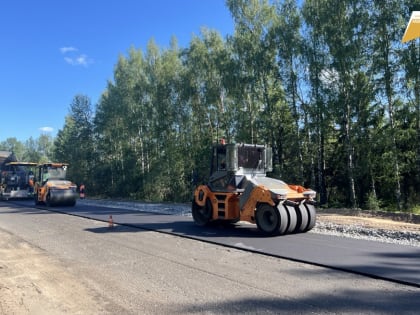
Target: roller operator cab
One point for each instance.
(51, 186)
(239, 190)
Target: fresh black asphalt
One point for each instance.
(398, 263)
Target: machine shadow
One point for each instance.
(184, 228)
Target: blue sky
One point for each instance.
(52, 50)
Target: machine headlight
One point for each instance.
(309, 194)
(281, 194)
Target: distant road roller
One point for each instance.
(52, 188)
(239, 190)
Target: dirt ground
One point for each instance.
(32, 282)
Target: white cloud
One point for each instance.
(75, 59)
(46, 129)
(65, 50)
(80, 60)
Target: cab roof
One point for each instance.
(53, 164)
(21, 164)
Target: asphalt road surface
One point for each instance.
(129, 270)
(385, 261)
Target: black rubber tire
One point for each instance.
(292, 218)
(48, 200)
(284, 219)
(37, 203)
(202, 215)
(302, 218)
(268, 219)
(311, 216)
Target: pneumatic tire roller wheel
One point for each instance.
(271, 220)
(285, 219)
(202, 214)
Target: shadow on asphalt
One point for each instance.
(184, 228)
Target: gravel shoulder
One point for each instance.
(368, 222)
(370, 227)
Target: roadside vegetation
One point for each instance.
(328, 85)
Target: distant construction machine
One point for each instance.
(239, 190)
(52, 187)
(17, 180)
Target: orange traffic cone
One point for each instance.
(110, 222)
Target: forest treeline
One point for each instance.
(327, 84)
